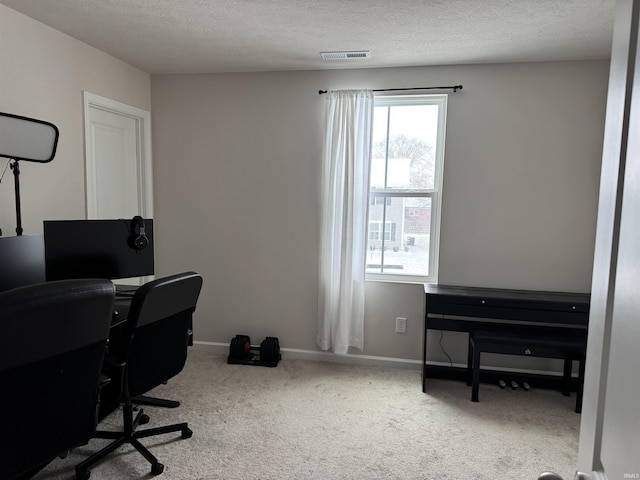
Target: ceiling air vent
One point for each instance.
(345, 55)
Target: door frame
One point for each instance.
(142, 119)
(619, 146)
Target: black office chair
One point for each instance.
(52, 344)
(149, 349)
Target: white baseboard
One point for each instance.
(320, 356)
(354, 359)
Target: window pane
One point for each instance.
(404, 146)
(404, 247)
(407, 156)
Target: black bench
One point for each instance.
(512, 343)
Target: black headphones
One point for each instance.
(137, 238)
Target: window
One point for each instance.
(404, 188)
(376, 227)
(379, 201)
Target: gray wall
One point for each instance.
(236, 166)
(42, 74)
(237, 162)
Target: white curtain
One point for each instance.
(345, 192)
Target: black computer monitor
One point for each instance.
(108, 249)
(21, 261)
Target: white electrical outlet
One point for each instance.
(401, 325)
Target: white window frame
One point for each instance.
(435, 193)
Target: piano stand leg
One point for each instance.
(475, 387)
(566, 377)
(470, 363)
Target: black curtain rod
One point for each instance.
(455, 88)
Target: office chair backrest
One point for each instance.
(166, 297)
(52, 343)
(160, 319)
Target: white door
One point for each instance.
(117, 162)
(610, 423)
(117, 159)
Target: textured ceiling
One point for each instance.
(206, 36)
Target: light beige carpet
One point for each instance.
(312, 420)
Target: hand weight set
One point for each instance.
(240, 347)
(241, 352)
(270, 349)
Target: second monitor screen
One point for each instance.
(109, 249)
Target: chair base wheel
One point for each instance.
(157, 468)
(83, 475)
(187, 433)
(144, 418)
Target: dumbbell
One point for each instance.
(270, 349)
(239, 347)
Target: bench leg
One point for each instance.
(580, 384)
(469, 362)
(476, 373)
(566, 377)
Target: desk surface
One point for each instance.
(120, 310)
(124, 294)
